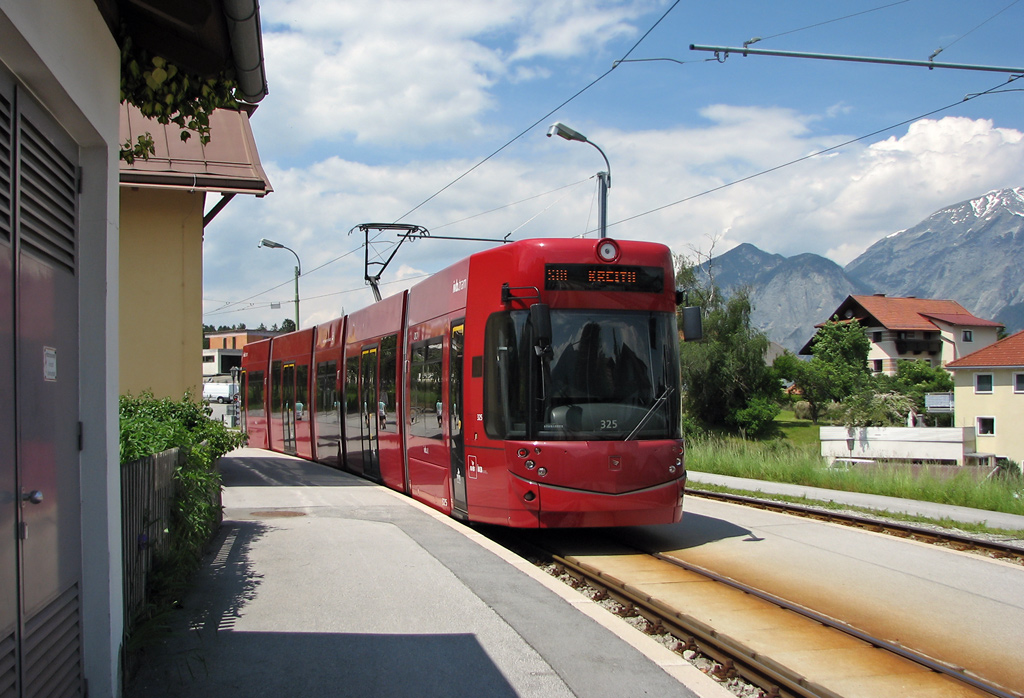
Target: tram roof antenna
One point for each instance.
(405, 231)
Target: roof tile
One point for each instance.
(1008, 352)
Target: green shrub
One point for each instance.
(757, 418)
(149, 426)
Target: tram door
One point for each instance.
(455, 425)
(370, 401)
(288, 415)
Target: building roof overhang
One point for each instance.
(205, 37)
(228, 164)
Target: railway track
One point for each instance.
(784, 649)
(1000, 550)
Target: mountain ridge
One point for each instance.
(971, 252)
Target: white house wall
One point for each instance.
(64, 54)
(1004, 405)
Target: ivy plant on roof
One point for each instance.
(168, 94)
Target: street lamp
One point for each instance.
(604, 179)
(298, 270)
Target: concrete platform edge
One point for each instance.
(670, 662)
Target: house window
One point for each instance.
(876, 365)
(968, 336)
(983, 383)
(986, 426)
(876, 337)
(1018, 382)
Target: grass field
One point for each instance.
(793, 457)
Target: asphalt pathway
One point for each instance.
(322, 584)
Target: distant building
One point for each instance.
(234, 339)
(222, 351)
(988, 385)
(937, 331)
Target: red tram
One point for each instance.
(530, 385)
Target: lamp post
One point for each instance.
(298, 270)
(604, 179)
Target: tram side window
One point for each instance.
(275, 388)
(254, 394)
(388, 369)
(326, 387)
(506, 374)
(352, 393)
(426, 414)
(302, 391)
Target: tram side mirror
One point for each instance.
(540, 320)
(693, 324)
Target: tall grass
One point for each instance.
(782, 461)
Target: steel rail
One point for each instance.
(899, 650)
(757, 668)
(696, 635)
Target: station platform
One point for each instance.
(322, 584)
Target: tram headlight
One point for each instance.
(530, 465)
(522, 453)
(607, 250)
(542, 471)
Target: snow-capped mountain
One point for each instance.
(972, 252)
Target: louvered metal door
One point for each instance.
(8, 483)
(47, 531)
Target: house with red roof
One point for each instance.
(937, 331)
(988, 394)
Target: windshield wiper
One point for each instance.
(650, 413)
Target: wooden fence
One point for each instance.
(147, 492)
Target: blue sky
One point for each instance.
(377, 106)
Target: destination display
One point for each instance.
(603, 277)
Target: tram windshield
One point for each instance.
(607, 375)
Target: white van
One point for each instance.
(219, 392)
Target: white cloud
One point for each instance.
(560, 29)
(408, 72)
(835, 205)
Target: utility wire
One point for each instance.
(267, 304)
(992, 90)
(534, 124)
(821, 24)
(484, 160)
(231, 304)
(514, 203)
(943, 48)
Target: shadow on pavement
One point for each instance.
(693, 531)
(328, 664)
(272, 470)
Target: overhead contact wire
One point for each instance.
(815, 154)
(535, 123)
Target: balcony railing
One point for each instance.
(918, 346)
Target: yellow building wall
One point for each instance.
(161, 294)
(1003, 404)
